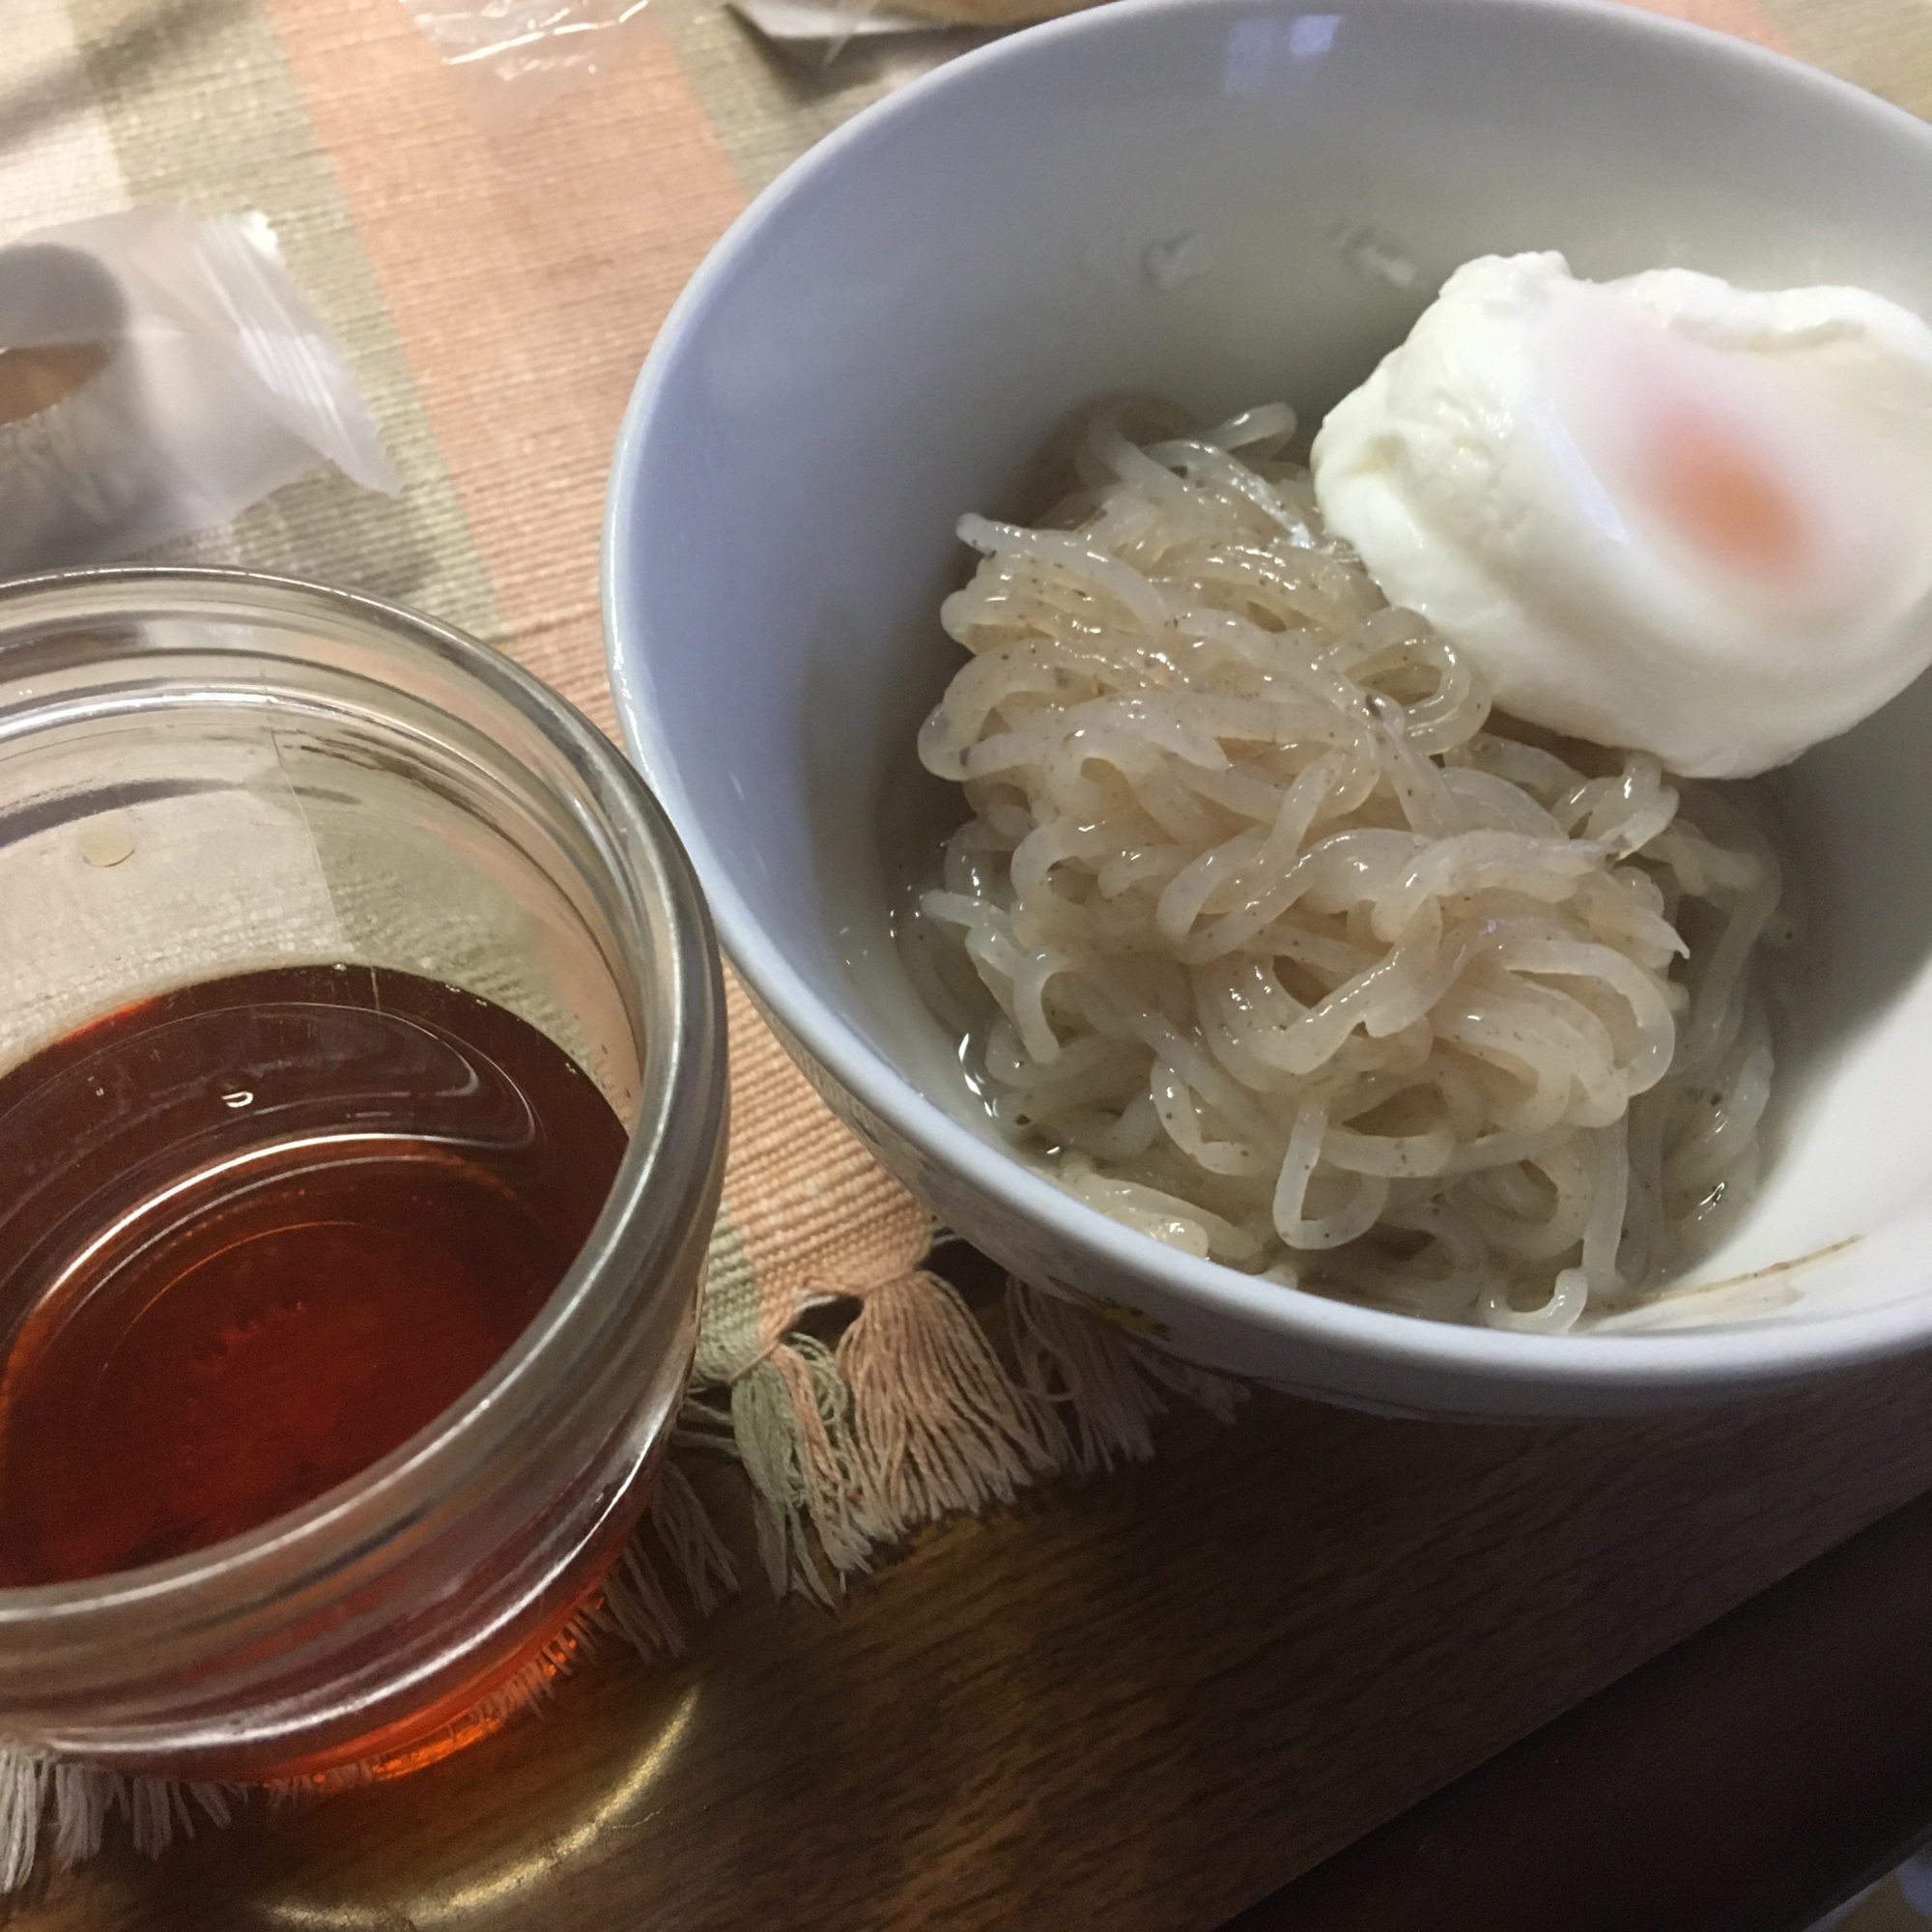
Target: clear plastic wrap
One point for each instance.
(523, 53)
(159, 371)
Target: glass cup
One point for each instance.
(207, 773)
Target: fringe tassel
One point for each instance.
(941, 1423)
(683, 1526)
(153, 1808)
(1110, 1382)
(772, 1442)
(77, 1799)
(535, 1684)
(83, 1800)
(84, 1797)
(213, 1800)
(634, 1605)
(23, 1798)
(529, 1689)
(703, 1427)
(839, 1499)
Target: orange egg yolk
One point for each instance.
(1713, 487)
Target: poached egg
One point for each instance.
(1663, 513)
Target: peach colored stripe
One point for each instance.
(526, 272)
(1745, 19)
(814, 1212)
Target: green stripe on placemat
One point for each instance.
(203, 113)
(769, 104)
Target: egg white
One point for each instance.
(1662, 513)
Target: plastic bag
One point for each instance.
(160, 373)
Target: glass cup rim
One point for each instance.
(680, 1110)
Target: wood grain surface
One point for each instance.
(1140, 1702)
(1770, 1769)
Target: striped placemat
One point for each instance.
(495, 283)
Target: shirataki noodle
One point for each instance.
(1295, 960)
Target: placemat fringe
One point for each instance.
(77, 1799)
(1110, 1382)
(940, 1425)
(23, 1781)
(772, 1441)
(683, 1526)
(634, 1607)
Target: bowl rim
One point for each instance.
(1706, 1359)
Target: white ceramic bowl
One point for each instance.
(1224, 201)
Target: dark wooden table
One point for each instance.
(1143, 1703)
(1747, 1780)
